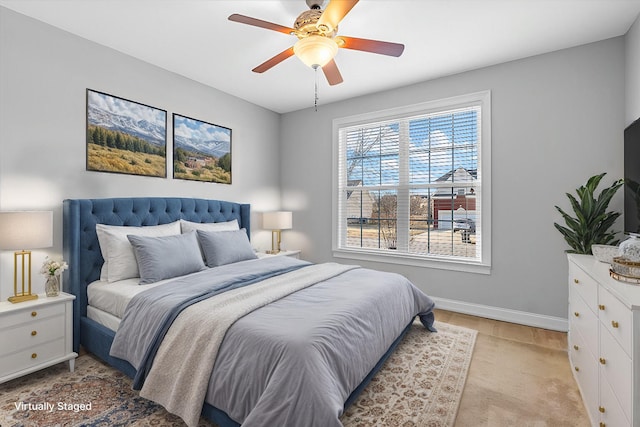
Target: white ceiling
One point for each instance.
(442, 37)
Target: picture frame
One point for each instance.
(125, 136)
(201, 150)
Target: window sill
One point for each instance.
(405, 259)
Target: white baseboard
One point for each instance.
(504, 314)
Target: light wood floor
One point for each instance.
(519, 376)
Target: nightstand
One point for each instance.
(292, 254)
(36, 334)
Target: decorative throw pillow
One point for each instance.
(119, 259)
(225, 247)
(165, 257)
(188, 226)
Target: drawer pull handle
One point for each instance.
(575, 347)
(614, 324)
(603, 424)
(601, 409)
(601, 306)
(34, 355)
(603, 361)
(34, 333)
(34, 313)
(576, 314)
(577, 369)
(576, 281)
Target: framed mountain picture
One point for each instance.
(201, 151)
(125, 136)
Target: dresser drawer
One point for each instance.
(576, 345)
(617, 369)
(585, 370)
(611, 414)
(31, 333)
(27, 358)
(20, 317)
(584, 284)
(582, 319)
(616, 318)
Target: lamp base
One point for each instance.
(275, 242)
(21, 298)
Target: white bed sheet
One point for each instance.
(102, 317)
(113, 297)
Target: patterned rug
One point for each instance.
(420, 385)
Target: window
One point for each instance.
(412, 184)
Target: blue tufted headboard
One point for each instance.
(80, 241)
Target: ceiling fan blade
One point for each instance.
(334, 13)
(274, 61)
(260, 23)
(332, 73)
(373, 46)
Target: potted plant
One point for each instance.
(592, 221)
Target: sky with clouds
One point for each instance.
(122, 107)
(196, 130)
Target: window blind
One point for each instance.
(412, 184)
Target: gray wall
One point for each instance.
(556, 120)
(632, 73)
(44, 74)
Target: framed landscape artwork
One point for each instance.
(201, 151)
(125, 136)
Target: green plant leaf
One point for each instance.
(592, 222)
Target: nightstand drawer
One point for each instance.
(30, 314)
(31, 333)
(27, 358)
(616, 318)
(584, 284)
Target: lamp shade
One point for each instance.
(26, 230)
(279, 220)
(315, 51)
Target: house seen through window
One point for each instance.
(412, 183)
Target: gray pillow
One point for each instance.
(225, 247)
(166, 257)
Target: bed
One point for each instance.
(300, 300)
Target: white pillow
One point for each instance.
(188, 226)
(119, 259)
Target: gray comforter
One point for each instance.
(295, 361)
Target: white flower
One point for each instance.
(53, 268)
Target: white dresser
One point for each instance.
(604, 342)
(35, 334)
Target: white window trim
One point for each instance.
(483, 266)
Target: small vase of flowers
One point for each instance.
(51, 270)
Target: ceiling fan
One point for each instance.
(318, 41)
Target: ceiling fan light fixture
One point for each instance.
(315, 51)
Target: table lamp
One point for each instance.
(25, 230)
(276, 222)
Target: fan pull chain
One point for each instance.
(315, 99)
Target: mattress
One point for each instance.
(113, 297)
(102, 317)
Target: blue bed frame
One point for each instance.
(82, 251)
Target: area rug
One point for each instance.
(420, 385)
